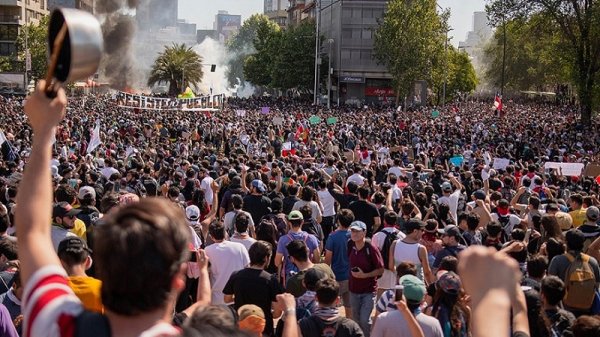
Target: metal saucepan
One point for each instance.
(75, 45)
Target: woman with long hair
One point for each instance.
(449, 308)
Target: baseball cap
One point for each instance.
(446, 186)
(449, 282)
(192, 213)
(358, 226)
(592, 213)
(73, 245)
(479, 195)
(249, 310)
(63, 209)
(295, 215)
(413, 224)
(259, 185)
(414, 288)
(85, 191)
(450, 230)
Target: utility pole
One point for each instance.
(317, 51)
(329, 73)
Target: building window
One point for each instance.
(355, 54)
(356, 13)
(356, 33)
(347, 13)
(367, 13)
(365, 55)
(9, 32)
(8, 49)
(346, 33)
(345, 54)
(367, 34)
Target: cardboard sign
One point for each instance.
(501, 163)
(456, 161)
(265, 110)
(314, 119)
(240, 113)
(592, 170)
(331, 120)
(567, 169)
(277, 120)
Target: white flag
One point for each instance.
(2, 137)
(95, 140)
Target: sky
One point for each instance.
(202, 12)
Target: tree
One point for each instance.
(253, 36)
(534, 55)
(179, 66)
(37, 42)
(410, 42)
(578, 22)
(461, 73)
(5, 64)
(294, 64)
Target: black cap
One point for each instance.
(63, 209)
(450, 230)
(73, 245)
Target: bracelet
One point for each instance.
(288, 311)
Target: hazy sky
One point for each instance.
(202, 12)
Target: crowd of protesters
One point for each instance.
(296, 220)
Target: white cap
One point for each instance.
(86, 190)
(192, 213)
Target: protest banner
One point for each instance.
(456, 161)
(277, 120)
(500, 163)
(567, 169)
(331, 120)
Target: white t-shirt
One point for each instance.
(208, 192)
(356, 178)
(452, 202)
(230, 216)
(108, 171)
(328, 202)
(247, 242)
(513, 221)
(388, 279)
(314, 206)
(58, 234)
(225, 258)
(396, 170)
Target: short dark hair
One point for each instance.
(390, 217)
(406, 268)
(345, 217)
(449, 263)
(576, 198)
(586, 326)
(494, 228)
(473, 221)
(327, 291)
(553, 289)
(363, 192)
(259, 252)
(537, 266)
(306, 212)
(65, 193)
(217, 316)
(241, 223)
(237, 201)
(298, 250)
(217, 230)
(8, 248)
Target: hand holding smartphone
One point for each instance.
(399, 293)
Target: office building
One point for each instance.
(476, 40)
(226, 25)
(276, 10)
(13, 16)
(154, 15)
(349, 29)
(86, 5)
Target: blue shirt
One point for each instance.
(337, 243)
(311, 242)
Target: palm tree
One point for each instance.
(179, 66)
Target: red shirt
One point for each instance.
(368, 258)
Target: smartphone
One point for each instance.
(355, 269)
(193, 256)
(399, 292)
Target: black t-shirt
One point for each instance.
(366, 212)
(253, 286)
(340, 327)
(257, 206)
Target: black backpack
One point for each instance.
(276, 221)
(313, 326)
(387, 245)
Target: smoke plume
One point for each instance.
(118, 30)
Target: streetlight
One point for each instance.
(448, 29)
(317, 48)
(329, 73)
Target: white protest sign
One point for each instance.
(287, 146)
(567, 169)
(501, 163)
(240, 113)
(277, 121)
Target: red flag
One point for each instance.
(498, 103)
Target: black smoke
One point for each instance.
(118, 30)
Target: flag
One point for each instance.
(95, 139)
(2, 137)
(498, 102)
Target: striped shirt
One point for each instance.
(51, 307)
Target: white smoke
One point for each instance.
(215, 52)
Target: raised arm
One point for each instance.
(34, 198)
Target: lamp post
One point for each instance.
(329, 73)
(317, 48)
(445, 62)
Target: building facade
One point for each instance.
(86, 5)
(226, 25)
(349, 28)
(276, 10)
(154, 15)
(14, 14)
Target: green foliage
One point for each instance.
(535, 56)
(5, 64)
(37, 41)
(179, 66)
(294, 64)
(410, 42)
(254, 36)
(461, 74)
(577, 23)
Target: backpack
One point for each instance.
(387, 245)
(505, 222)
(340, 327)
(276, 221)
(91, 324)
(580, 282)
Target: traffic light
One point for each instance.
(213, 67)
